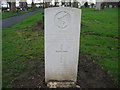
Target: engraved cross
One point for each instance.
(61, 51)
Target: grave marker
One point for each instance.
(62, 34)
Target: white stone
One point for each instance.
(98, 6)
(110, 6)
(90, 6)
(62, 34)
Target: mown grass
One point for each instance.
(99, 41)
(10, 14)
(21, 46)
(99, 38)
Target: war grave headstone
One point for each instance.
(62, 40)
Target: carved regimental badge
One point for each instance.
(62, 19)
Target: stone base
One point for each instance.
(62, 84)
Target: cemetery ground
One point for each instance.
(23, 51)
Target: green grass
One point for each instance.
(10, 14)
(21, 46)
(99, 38)
(99, 41)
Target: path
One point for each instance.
(7, 22)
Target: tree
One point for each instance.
(33, 4)
(56, 1)
(12, 5)
(23, 4)
(70, 3)
(47, 3)
(63, 2)
(103, 5)
(86, 4)
(75, 4)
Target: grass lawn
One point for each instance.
(99, 41)
(10, 14)
(20, 46)
(99, 38)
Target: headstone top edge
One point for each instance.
(62, 8)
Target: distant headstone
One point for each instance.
(105, 6)
(110, 6)
(93, 6)
(98, 6)
(79, 5)
(62, 34)
(90, 6)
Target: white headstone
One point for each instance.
(98, 6)
(110, 6)
(62, 34)
(90, 6)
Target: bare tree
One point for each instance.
(46, 3)
(70, 3)
(12, 5)
(63, 2)
(33, 4)
(23, 4)
(56, 1)
(75, 3)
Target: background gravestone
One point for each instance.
(62, 34)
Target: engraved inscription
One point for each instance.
(62, 19)
(61, 51)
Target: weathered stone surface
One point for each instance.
(62, 34)
(61, 84)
